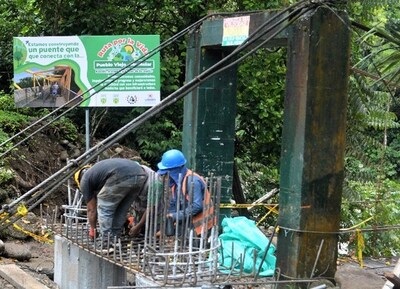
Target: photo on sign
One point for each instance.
(89, 71)
(52, 87)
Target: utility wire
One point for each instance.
(344, 231)
(56, 179)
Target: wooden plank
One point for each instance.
(19, 278)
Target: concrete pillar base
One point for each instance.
(75, 268)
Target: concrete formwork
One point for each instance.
(75, 268)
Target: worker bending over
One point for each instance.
(109, 188)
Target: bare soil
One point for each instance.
(32, 163)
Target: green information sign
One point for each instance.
(52, 71)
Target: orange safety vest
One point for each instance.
(208, 206)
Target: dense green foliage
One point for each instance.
(372, 173)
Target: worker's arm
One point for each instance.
(197, 204)
(92, 212)
(135, 230)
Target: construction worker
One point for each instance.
(197, 206)
(109, 188)
(54, 89)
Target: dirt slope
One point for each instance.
(30, 164)
(45, 154)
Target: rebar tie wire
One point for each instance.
(54, 181)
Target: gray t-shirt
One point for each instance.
(95, 178)
(141, 202)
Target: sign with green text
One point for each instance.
(52, 71)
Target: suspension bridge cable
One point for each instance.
(89, 155)
(86, 158)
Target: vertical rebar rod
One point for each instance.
(184, 223)
(166, 198)
(131, 252)
(316, 261)
(81, 234)
(66, 227)
(146, 229)
(61, 232)
(119, 247)
(241, 263)
(138, 256)
(178, 198)
(255, 254)
(113, 244)
(265, 253)
(190, 248)
(151, 221)
(155, 192)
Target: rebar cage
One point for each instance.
(181, 259)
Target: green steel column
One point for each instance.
(312, 160)
(209, 117)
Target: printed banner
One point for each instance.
(235, 30)
(51, 71)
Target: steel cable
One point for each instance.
(53, 182)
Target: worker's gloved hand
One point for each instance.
(134, 231)
(91, 233)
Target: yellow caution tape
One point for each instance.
(34, 236)
(241, 206)
(271, 207)
(360, 247)
(23, 211)
(357, 225)
(266, 215)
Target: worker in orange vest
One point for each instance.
(198, 205)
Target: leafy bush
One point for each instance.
(64, 128)
(257, 180)
(11, 122)
(380, 201)
(6, 174)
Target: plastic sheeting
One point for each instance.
(243, 248)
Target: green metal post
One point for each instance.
(210, 110)
(312, 160)
(209, 117)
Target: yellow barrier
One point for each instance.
(23, 211)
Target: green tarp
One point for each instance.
(243, 248)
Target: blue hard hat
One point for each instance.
(171, 159)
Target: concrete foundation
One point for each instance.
(75, 268)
